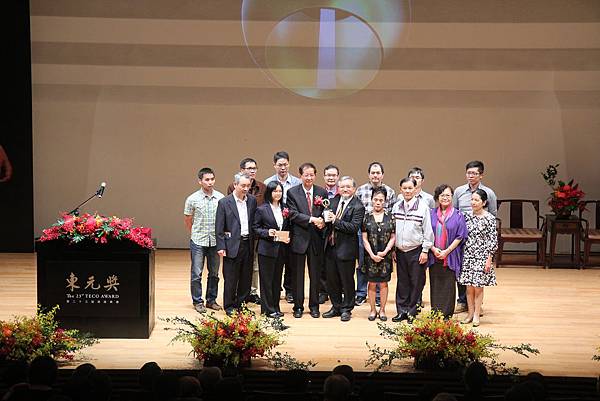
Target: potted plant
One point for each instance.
(566, 197)
(228, 342)
(25, 338)
(434, 343)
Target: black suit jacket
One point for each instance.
(264, 219)
(304, 233)
(345, 229)
(228, 227)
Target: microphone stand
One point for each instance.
(75, 212)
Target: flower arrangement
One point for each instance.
(436, 343)
(318, 201)
(596, 357)
(285, 212)
(25, 338)
(229, 342)
(98, 228)
(565, 198)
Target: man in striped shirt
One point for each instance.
(199, 215)
(414, 237)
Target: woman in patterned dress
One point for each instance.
(378, 231)
(477, 270)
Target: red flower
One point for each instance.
(6, 332)
(285, 212)
(318, 201)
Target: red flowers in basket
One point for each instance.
(98, 228)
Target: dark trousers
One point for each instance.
(340, 279)
(315, 265)
(288, 272)
(462, 293)
(323, 288)
(270, 270)
(411, 280)
(442, 288)
(237, 273)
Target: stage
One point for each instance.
(555, 310)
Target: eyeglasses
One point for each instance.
(251, 168)
(472, 173)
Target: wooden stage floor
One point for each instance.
(556, 310)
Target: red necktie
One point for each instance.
(309, 201)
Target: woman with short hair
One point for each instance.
(446, 255)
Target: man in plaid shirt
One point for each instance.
(364, 194)
(199, 215)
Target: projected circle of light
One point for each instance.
(322, 49)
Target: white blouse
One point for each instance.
(278, 215)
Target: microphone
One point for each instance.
(100, 191)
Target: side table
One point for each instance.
(570, 226)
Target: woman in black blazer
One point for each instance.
(270, 217)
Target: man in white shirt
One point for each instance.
(235, 214)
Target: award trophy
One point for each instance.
(327, 213)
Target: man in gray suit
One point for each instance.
(235, 214)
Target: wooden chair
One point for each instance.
(590, 235)
(515, 232)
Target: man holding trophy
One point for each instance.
(343, 222)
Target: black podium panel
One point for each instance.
(106, 289)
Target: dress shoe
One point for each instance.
(254, 298)
(372, 316)
(400, 317)
(475, 323)
(213, 305)
(331, 313)
(200, 308)
(460, 307)
(279, 314)
(360, 300)
(230, 312)
(323, 298)
(298, 314)
(289, 298)
(346, 316)
(382, 317)
(273, 315)
(467, 320)
(315, 313)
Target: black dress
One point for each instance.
(378, 235)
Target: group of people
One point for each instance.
(269, 232)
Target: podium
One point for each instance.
(105, 289)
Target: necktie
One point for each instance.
(309, 201)
(337, 216)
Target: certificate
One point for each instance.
(282, 236)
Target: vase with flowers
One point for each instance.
(566, 197)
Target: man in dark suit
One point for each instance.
(233, 226)
(305, 202)
(344, 220)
